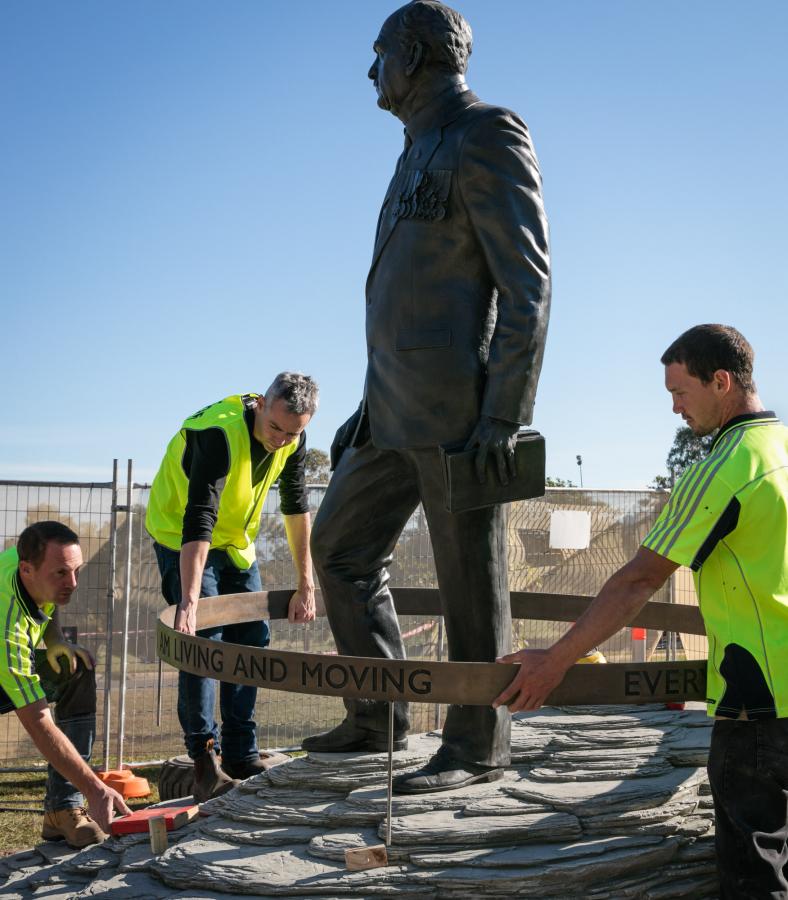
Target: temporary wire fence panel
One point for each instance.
(539, 560)
(542, 559)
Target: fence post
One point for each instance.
(124, 656)
(113, 546)
(671, 644)
(638, 636)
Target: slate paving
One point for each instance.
(600, 803)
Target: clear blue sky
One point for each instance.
(189, 190)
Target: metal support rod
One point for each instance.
(390, 780)
(437, 711)
(158, 696)
(113, 546)
(124, 656)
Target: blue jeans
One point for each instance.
(74, 697)
(748, 773)
(197, 695)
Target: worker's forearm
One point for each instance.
(194, 555)
(298, 528)
(55, 747)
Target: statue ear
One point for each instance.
(416, 57)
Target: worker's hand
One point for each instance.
(70, 652)
(186, 617)
(539, 675)
(103, 803)
(496, 437)
(302, 604)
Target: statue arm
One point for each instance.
(501, 187)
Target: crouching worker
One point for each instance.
(204, 515)
(37, 577)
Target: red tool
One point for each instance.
(137, 822)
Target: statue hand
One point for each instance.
(343, 438)
(497, 437)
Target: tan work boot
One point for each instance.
(74, 825)
(209, 779)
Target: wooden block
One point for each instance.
(366, 858)
(173, 816)
(157, 826)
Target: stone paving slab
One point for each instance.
(530, 854)
(570, 876)
(452, 828)
(242, 870)
(240, 833)
(601, 772)
(374, 799)
(501, 805)
(332, 846)
(620, 795)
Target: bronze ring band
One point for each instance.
(426, 681)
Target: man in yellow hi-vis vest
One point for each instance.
(204, 514)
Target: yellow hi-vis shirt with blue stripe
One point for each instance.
(22, 624)
(727, 520)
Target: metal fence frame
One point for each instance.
(119, 593)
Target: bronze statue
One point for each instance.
(457, 306)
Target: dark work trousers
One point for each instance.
(748, 773)
(197, 695)
(368, 502)
(74, 697)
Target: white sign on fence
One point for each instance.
(570, 529)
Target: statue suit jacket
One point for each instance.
(458, 293)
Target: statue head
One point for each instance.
(422, 43)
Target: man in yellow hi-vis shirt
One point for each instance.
(727, 520)
(37, 577)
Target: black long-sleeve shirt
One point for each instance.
(206, 462)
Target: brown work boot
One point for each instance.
(209, 779)
(74, 826)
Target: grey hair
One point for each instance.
(299, 391)
(442, 29)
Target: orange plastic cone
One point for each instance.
(125, 782)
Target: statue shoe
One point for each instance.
(347, 738)
(444, 773)
(73, 825)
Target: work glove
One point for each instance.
(70, 652)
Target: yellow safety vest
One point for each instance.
(241, 502)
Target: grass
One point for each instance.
(22, 806)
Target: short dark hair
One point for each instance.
(32, 543)
(300, 392)
(706, 348)
(442, 29)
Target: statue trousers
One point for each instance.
(368, 502)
